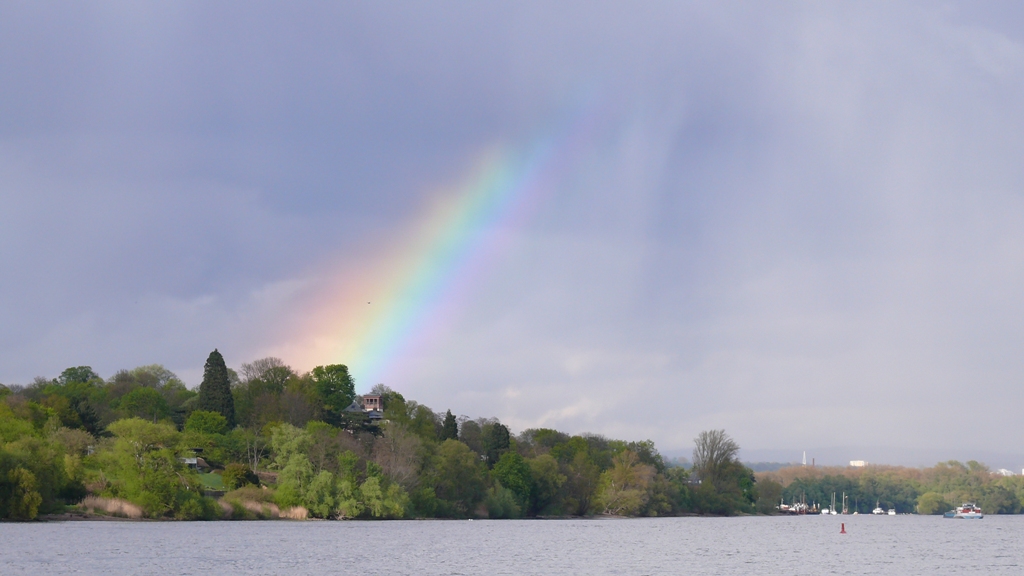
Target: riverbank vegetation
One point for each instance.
(267, 442)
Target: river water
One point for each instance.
(748, 545)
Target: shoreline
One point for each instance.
(90, 517)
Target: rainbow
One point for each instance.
(457, 240)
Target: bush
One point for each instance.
(196, 507)
(238, 475)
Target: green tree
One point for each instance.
(294, 480)
(145, 403)
(471, 434)
(22, 500)
(321, 497)
(514, 474)
(287, 440)
(325, 444)
(62, 409)
(78, 374)
(334, 388)
(271, 372)
(215, 390)
(496, 440)
(422, 421)
(381, 502)
(137, 437)
(457, 479)
(70, 395)
(206, 422)
(502, 503)
(547, 484)
(582, 480)
(624, 487)
(450, 428)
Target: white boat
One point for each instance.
(892, 511)
(878, 511)
(831, 509)
(969, 511)
(795, 508)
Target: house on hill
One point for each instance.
(371, 405)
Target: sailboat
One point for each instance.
(878, 511)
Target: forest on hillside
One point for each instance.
(268, 442)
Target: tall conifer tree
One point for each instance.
(215, 391)
(450, 428)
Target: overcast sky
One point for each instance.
(800, 222)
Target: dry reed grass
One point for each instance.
(249, 509)
(266, 510)
(295, 513)
(112, 506)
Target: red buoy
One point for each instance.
(842, 529)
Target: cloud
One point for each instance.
(800, 223)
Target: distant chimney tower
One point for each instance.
(805, 457)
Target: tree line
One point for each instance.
(933, 490)
(277, 441)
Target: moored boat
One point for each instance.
(799, 508)
(831, 510)
(878, 511)
(968, 511)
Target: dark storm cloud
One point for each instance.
(799, 222)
